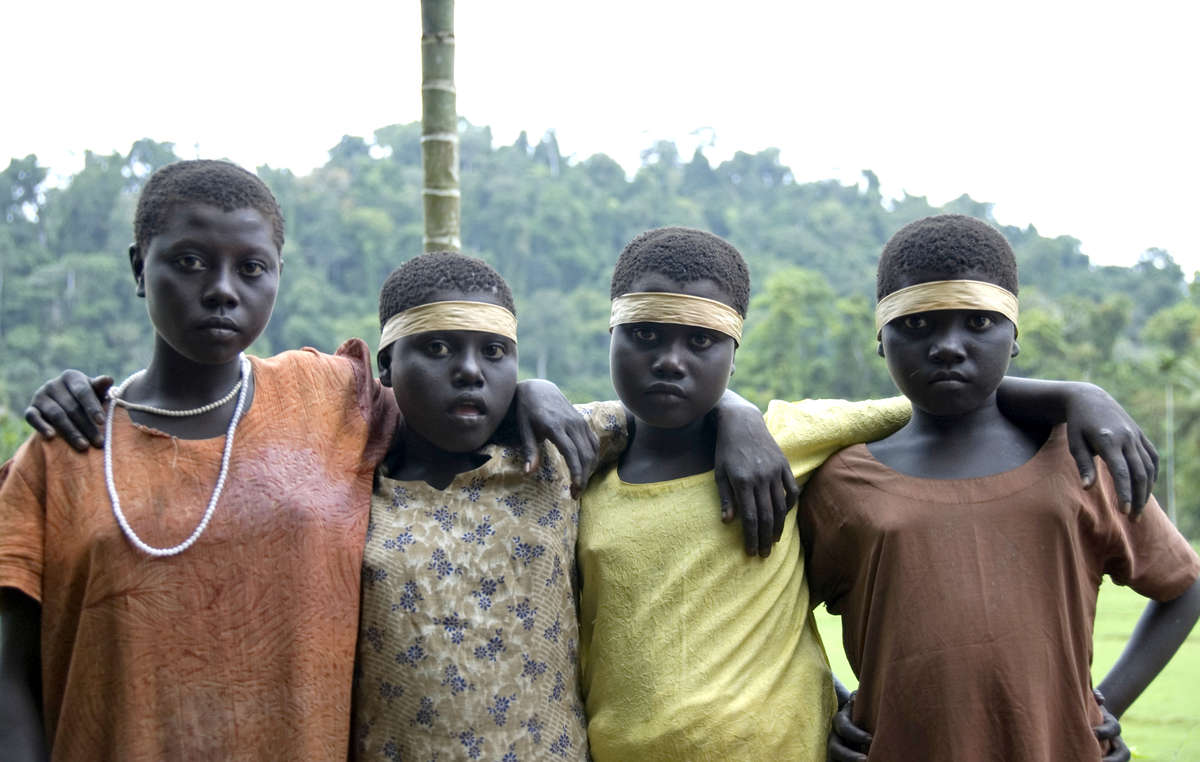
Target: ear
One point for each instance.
(1016, 349)
(384, 359)
(138, 265)
(879, 349)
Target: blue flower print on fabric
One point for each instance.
(372, 574)
(494, 647)
(553, 631)
(499, 706)
(400, 497)
(401, 541)
(374, 637)
(441, 566)
(546, 471)
(612, 424)
(510, 755)
(555, 572)
(443, 517)
(534, 726)
(409, 598)
(487, 588)
(472, 743)
(391, 750)
(551, 519)
(426, 714)
(533, 669)
(525, 612)
(388, 691)
(562, 745)
(481, 532)
(560, 687)
(414, 654)
(453, 679)
(526, 552)
(516, 505)
(453, 626)
(472, 489)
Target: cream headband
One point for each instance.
(679, 309)
(449, 316)
(945, 295)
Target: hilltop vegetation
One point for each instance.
(554, 226)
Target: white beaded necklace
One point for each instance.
(115, 395)
(174, 413)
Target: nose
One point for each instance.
(668, 363)
(947, 347)
(468, 371)
(219, 291)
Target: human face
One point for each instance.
(949, 362)
(671, 375)
(209, 280)
(453, 387)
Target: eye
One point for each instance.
(437, 348)
(252, 268)
(980, 321)
(914, 322)
(189, 263)
(644, 334)
(702, 340)
(495, 351)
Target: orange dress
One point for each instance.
(242, 646)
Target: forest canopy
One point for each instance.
(553, 226)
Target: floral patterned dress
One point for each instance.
(468, 641)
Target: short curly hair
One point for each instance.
(947, 246)
(684, 255)
(219, 183)
(414, 282)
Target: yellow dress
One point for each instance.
(691, 650)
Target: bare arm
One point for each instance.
(1096, 425)
(1160, 631)
(21, 734)
(753, 475)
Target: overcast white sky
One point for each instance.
(1080, 118)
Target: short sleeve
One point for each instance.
(1149, 555)
(821, 526)
(375, 402)
(23, 519)
(609, 422)
(809, 431)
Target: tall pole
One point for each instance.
(439, 126)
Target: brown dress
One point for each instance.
(242, 646)
(968, 604)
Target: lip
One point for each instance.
(944, 376)
(468, 407)
(218, 324)
(669, 390)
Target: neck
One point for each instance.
(414, 458)
(981, 421)
(656, 454)
(979, 442)
(173, 381)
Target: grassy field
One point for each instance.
(1162, 726)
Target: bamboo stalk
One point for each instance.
(439, 127)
